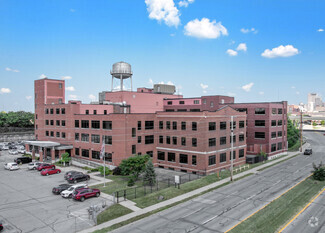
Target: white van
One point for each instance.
(68, 193)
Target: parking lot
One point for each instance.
(28, 205)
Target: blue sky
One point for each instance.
(253, 50)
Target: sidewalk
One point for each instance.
(138, 212)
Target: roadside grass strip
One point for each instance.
(115, 211)
(278, 212)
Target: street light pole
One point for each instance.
(232, 147)
(104, 171)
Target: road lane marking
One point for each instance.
(267, 204)
(302, 210)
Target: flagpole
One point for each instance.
(104, 170)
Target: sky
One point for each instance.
(254, 50)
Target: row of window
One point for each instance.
(57, 111)
(274, 146)
(57, 134)
(94, 154)
(183, 102)
(261, 135)
(261, 123)
(211, 125)
(261, 111)
(57, 122)
(95, 138)
(84, 124)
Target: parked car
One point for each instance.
(74, 178)
(5, 147)
(34, 165)
(21, 151)
(68, 174)
(11, 166)
(44, 166)
(308, 151)
(12, 147)
(68, 193)
(82, 194)
(50, 171)
(21, 160)
(13, 152)
(60, 188)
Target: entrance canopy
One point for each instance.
(43, 143)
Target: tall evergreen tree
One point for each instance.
(149, 174)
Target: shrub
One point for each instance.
(319, 172)
(117, 171)
(107, 171)
(134, 165)
(150, 174)
(131, 181)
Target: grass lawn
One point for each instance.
(112, 212)
(281, 210)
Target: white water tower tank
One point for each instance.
(121, 70)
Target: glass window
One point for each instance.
(108, 157)
(84, 137)
(233, 155)
(194, 126)
(193, 159)
(196, 101)
(234, 123)
(149, 125)
(280, 146)
(139, 139)
(194, 142)
(183, 125)
(57, 134)
(62, 110)
(273, 147)
(133, 132)
(223, 157)
(95, 154)
(107, 139)
(76, 136)
(212, 126)
(260, 135)
(63, 123)
(279, 133)
(183, 141)
(161, 155)
(46, 133)
(241, 137)
(46, 122)
(174, 125)
(95, 124)
(167, 124)
(175, 140)
(223, 140)
(279, 122)
(212, 142)
(57, 111)
(107, 125)
(87, 112)
(46, 111)
(170, 102)
(241, 153)
(181, 102)
(212, 160)
(149, 139)
(241, 124)
(161, 125)
(167, 139)
(85, 153)
(52, 122)
(95, 138)
(183, 158)
(233, 139)
(77, 151)
(139, 125)
(260, 123)
(211, 104)
(84, 124)
(76, 123)
(105, 112)
(171, 157)
(279, 110)
(134, 149)
(273, 111)
(63, 134)
(52, 111)
(95, 112)
(260, 111)
(223, 125)
(161, 139)
(273, 123)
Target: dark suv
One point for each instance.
(308, 152)
(23, 160)
(78, 177)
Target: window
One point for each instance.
(133, 132)
(241, 153)
(95, 138)
(241, 124)
(273, 123)
(62, 110)
(260, 111)
(204, 101)
(161, 125)
(183, 158)
(279, 133)
(63, 123)
(51, 111)
(223, 157)
(233, 155)
(150, 153)
(211, 104)
(167, 124)
(233, 139)
(174, 140)
(212, 142)
(95, 154)
(63, 134)
(52, 134)
(161, 139)
(212, 126)
(241, 137)
(279, 111)
(183, 125)
(95, 124)
(174, 125)
(107, 125)
(223, 140)
(194, 142)
(241, 109)
(84, 124)
(52, 122)
(280, 146)
(134, 150)
(171, 157)
(196, 101)
(260, 123)
(181, 102)
(223, 125)
(57, 134)
(139, 125)
(279, 122)
(87, 112)
(46, 133)
(170, 110)
(76, 123)
(46, 122)
(273, 147)
(76, 151)
(183, 141)
(108, 157)
(170, 102)
(273, 111)
(161, 155)
(95, 112)
(194, 126)
(57, 111)
(234, 124)
(84, 137)
(212, 160)
(107, 139)
(193, 159)
(60, 85)
(46, 111)
(149, 139)
(85, 153)
(260, 135)
(167, 139)
(139, 139)
(105, 112)
(60, 101)
(76, 136)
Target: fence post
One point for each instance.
(124, 194)
(117, 196)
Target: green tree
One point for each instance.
(314, 123)
(293, 134)
(17, 119)
(107, 170)
(149, 173)
(65, 158)
(134, 165)
(322, 122)
(319, 172)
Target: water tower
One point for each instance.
(121, 70)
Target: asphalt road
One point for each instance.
(28, 205)
(219, 210)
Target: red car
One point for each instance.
(82, 194)
(44, 166)
(50, 171)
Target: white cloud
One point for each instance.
(29, 97)
(205, 29)
(92, 97)
(320, 30)
(5, 90)
(261, 93)
(163, 10)
(150, 82)
(293, 87)
(298, 93)
(42, 76)
(185, 3)
(204, 86)
(73, 97)
(231, 52)
(11, 70)
(242, 47)
(247, 87)
(281, 51)
(70, 88)
(232, 42)
(66, 77)
(245, 31)
(170, 83)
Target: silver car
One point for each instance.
(33, 165)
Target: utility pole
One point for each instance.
(232, 147)
(301, 131)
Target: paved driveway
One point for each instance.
(28, 205)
